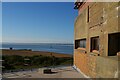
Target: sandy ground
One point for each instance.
(31, 53)
(60, 72)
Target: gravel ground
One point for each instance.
(59, 72)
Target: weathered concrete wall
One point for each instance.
(97, 66)
(106, 67)
(103, 20)
(119, 16)
(112, 17)
(81, 23)
(103, 67)
(92, 65)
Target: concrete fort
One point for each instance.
(97, 39)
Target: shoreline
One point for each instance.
(29, 52)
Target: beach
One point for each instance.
(8, 52)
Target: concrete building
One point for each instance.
(97, 39)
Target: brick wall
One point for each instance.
(80, 60)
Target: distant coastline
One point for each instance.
(36, 43)
(63, 48)
(7, 52)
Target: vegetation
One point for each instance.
(15, 62)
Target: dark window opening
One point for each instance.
(113, 44)
(94, 43)
(88, 15)
(76, 44)
(80, 43)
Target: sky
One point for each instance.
(38, 22)
(0, 22)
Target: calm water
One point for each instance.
(51, 47)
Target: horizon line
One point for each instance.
(37, 42)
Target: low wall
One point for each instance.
(107, 67)
(97, 66)
(81, 61)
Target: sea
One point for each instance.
(49, 47)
